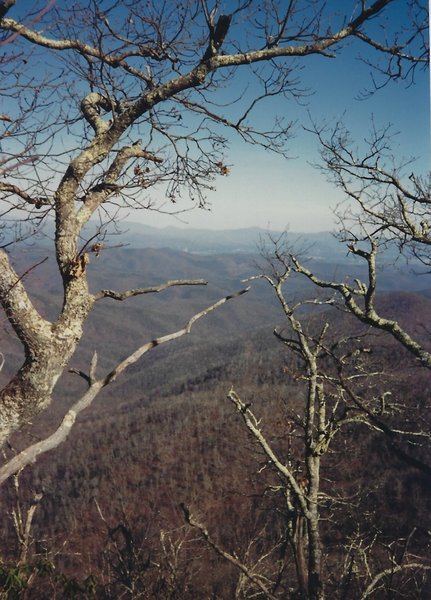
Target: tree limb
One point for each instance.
(391, 571)
(167, 338)
(30, 454)
(252, 425)
(369, 316)
(226, 555)
(37, 201)
(26, 321)
(149, 290)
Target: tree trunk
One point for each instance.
(315, 585)
(48, 347)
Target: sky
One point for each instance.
(268, 191)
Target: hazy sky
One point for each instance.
(268, 191)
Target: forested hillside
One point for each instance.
(166, 435)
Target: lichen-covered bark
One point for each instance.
(48, 346)
(30, 390)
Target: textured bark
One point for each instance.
(48, 347)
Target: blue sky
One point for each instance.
(269, 191)
(266, 190)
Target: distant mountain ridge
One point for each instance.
(209, 241)
(319, 246)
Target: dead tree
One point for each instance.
(343, 391)
(385, 218)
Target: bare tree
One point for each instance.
(384, 218)
(113, 100)
(325, 413)
(345, 390)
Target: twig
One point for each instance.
(226, 555)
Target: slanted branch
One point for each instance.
(120, 296)
(234, 560)
(31, 454)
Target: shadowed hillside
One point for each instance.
(165, 434)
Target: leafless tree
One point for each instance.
(325, 413)
(344, 391)
(385, 217)
(110, 101)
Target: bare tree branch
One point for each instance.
(252, 425)
(226, 555)
(369, 315)
(30, 454)
(148, 290)
(389, 572)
